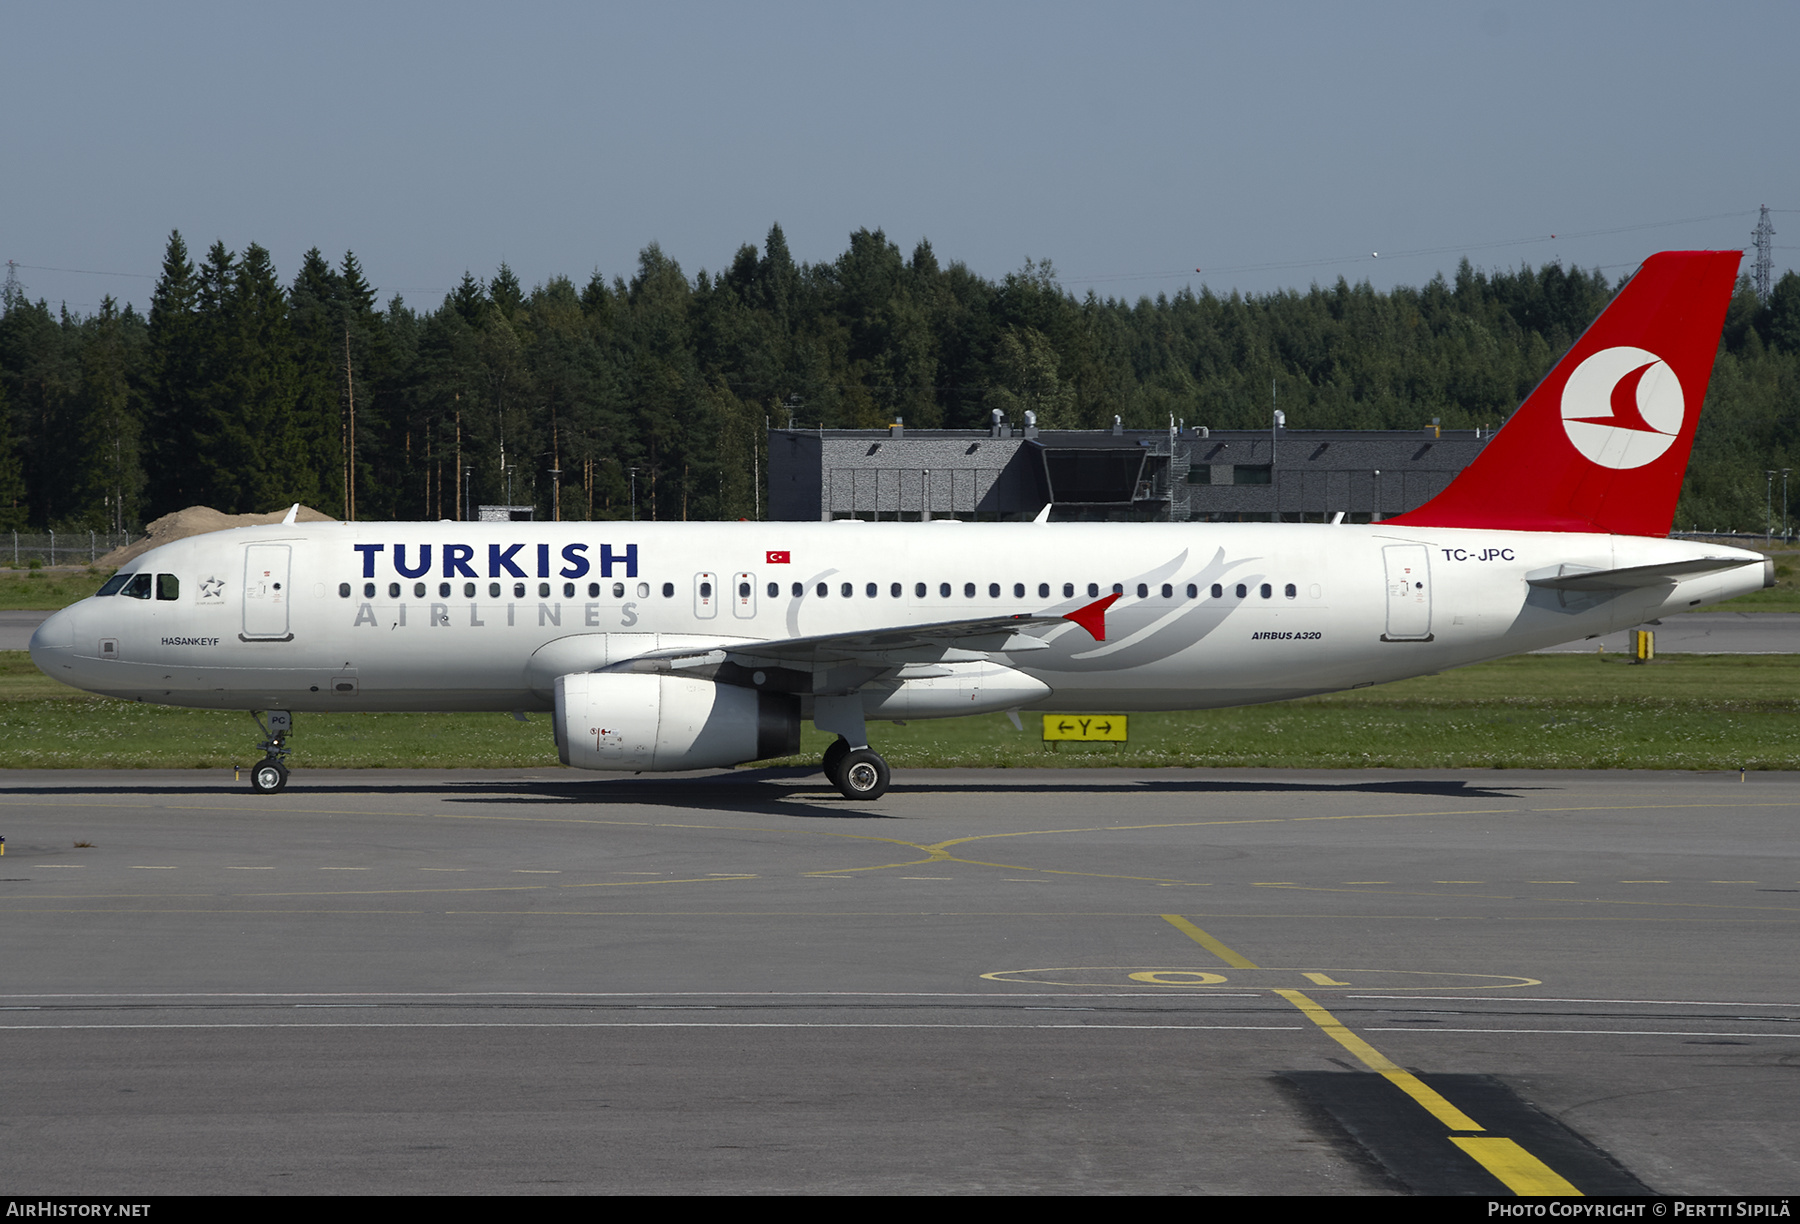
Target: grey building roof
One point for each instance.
(1003, 473)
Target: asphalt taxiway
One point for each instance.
(990, 981)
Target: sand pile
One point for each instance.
(198, 520)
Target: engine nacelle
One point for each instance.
(636, 721)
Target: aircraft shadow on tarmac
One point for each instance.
(799, 791)
(795, 790)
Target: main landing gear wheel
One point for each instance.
(269, 776)
(862, 775)
(834, 760)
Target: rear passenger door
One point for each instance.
(1408, 593)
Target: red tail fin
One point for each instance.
(1602, 443)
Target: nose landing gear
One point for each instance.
(271, 773)
(269, 776)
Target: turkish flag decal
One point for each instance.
(780, 558)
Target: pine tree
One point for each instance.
(112, 426)
(316, 319)
(264, 382)
(169, 382)
(14, 511)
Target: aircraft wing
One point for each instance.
(883, 648)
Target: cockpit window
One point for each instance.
(168, 586)
(112, 585)
(138, 587)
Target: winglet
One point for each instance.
(1093, 617)
(292, 515)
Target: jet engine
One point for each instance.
(635, 721)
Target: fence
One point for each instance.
(65, 548)
(1767, 537)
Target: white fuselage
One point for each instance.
(335, 616)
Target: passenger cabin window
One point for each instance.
(668, 590)
(1242, 590)
(1068, 590)
(393, 590)
(343, 590)
(1291, 590)
(798, 590)
(774, 589)
(368, 590)
(1266, 590)
(1218, 592)
(138, 587)
(1043, 590)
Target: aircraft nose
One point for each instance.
(53, 640)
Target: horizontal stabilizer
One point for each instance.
(1585, 578)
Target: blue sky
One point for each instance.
(1269, 145)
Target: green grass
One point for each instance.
(46, 590)
(1531, 712)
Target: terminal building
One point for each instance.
(1131, 475)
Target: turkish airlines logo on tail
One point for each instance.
(1623, 407)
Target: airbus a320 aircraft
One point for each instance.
(682, 646)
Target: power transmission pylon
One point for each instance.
(1762, 274)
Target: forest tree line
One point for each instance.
(241, 392)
